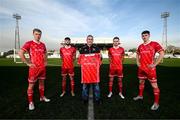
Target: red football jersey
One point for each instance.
(37, 52)
(90, 65)
(147, 52)
(67, 55)
(116, 56)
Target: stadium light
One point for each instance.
(164, 16)
(17, 36)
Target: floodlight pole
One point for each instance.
(17, 36)
(164, 16)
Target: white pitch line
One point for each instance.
(90, 104)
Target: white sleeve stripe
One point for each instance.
(24, 49)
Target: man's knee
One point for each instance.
(154, 85)
(31, 85)
(141, 81)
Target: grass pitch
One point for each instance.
(13, 98)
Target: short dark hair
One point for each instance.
(37, 30)
(145, 32)
(116, 38)
(67, 38)
(90, 36)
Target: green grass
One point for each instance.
(13, 101)
(116, 108)
(171, 62)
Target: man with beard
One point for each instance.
(68, 55)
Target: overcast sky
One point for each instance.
(78, 18)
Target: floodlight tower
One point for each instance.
(164, 16)
(17, 36)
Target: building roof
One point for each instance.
(97, 40)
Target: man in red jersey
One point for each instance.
(37, 65)
(116, 56)
(147, 66)
(68, 55)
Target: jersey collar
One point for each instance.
(146, 43)
(36, 42)
(67, 47)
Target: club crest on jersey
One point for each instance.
(93, 59)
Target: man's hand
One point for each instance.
(138, 64)
(45, 63)
(30, 65)
(151, 65)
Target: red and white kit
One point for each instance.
(116, 55)
(146, 54)
(67, 55)
(37, 53)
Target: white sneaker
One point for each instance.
(72, 94)
(44, 99)
(120, 94)
(138, 98)
(110, 94)
(62, 94)
(31, 106)
(155, 106)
